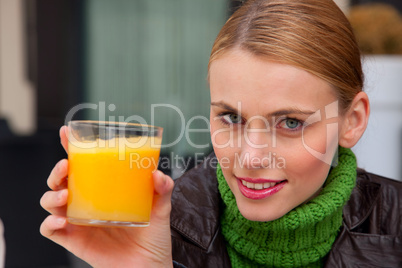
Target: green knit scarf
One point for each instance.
(302, 237)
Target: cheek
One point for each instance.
(321, 141)
(307, 172)
(224, 140)
(306, 163)
(225, 146)
(315, 137)
(218, 134)
(219, 139)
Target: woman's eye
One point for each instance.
(290, 124)
(231, 119)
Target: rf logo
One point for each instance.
(331, 116)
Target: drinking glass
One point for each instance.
(110, 172)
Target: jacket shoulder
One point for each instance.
(363, 175)
(372, 230)
(194, 220)
(375, 205)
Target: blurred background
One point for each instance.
(127, 56)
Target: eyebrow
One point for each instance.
(221, 104)
(282, 112)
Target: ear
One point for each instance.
(355, 121)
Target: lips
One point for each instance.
(259, 188)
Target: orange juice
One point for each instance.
(111, 184)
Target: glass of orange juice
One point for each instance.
(110, 172)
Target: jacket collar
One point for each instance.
(196, 204)
(362, 201)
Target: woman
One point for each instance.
(286, 103)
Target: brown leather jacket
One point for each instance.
(371, 235)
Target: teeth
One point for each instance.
(258, 186)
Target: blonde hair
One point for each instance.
(313, 35)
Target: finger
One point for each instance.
(163, 185)
(64, 138)
(55, 202)
(51, 227)
(57, 178)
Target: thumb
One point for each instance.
(163, 185)
(63, 132)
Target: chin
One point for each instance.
(257, 214)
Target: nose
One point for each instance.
(256, 150)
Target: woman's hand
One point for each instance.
(109, 247)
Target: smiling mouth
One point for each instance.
(259, 189)
(259, 186)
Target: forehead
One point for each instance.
(256, 81)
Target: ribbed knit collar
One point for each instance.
(301, 238)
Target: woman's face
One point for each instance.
(274, 129)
